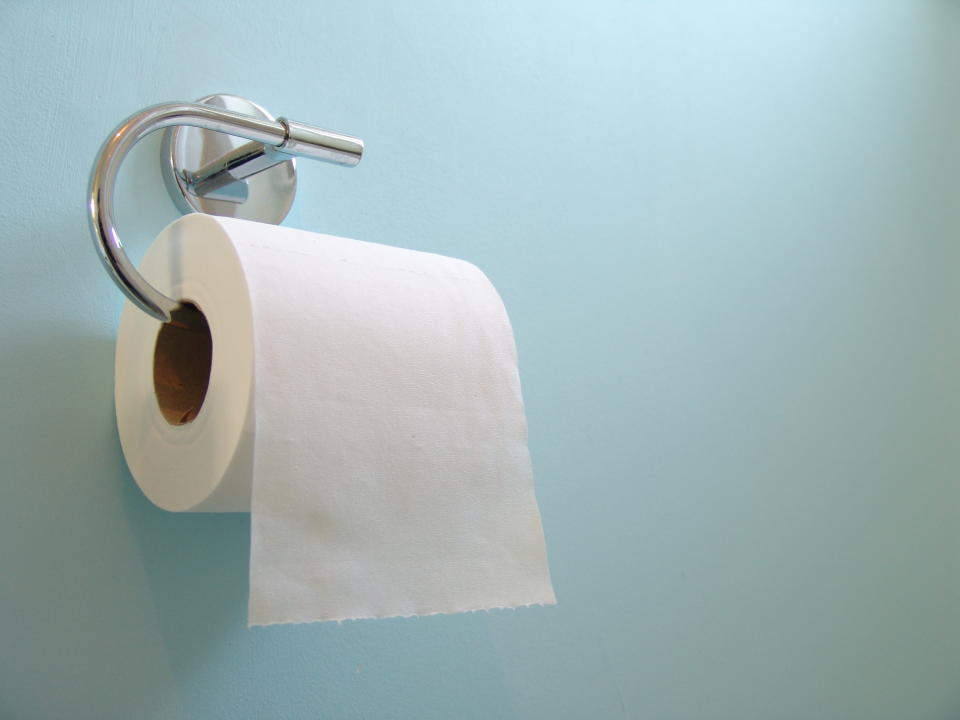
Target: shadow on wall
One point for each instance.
(117, 599)
(196, 570)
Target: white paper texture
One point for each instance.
(386, 442)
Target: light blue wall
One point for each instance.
(726, 234)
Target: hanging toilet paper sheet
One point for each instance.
(361, 401)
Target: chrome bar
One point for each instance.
(288, 137)
(312, 142)
(300, 141)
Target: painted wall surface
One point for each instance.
(726, 233)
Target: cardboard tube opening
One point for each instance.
(182, 358)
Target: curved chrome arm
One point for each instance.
(288, 137)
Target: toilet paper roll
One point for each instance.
(361, 401)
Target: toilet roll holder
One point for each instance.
(208, 168)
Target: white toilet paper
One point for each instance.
(363, 403)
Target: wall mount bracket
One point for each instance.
(206, 169)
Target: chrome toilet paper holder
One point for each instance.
(205, 171)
